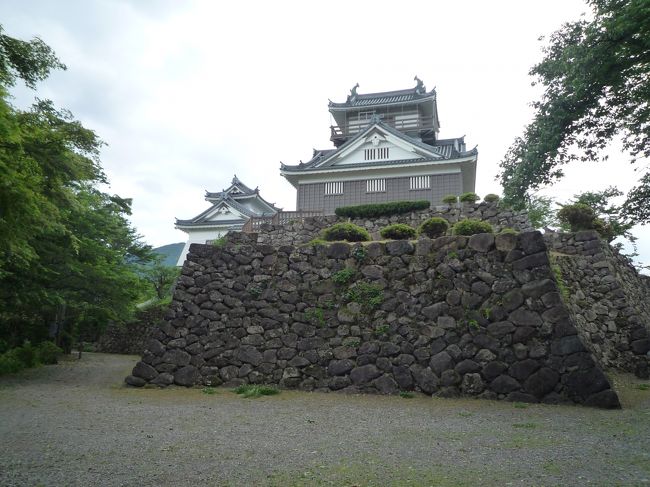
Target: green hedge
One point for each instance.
(382, 209)
(433, 227)
(346, 231)
(491, 198)
(470, 226)
(398, 231)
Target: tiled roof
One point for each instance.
(235, 183)
(445, 148)
(221, 223)
(384, 98)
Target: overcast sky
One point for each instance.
(186, 94)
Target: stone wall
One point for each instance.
(301, 232)
(130, 338)
(478, 316)
(607, 298)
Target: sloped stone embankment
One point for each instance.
(479, 316)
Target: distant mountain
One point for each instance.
(170, 253)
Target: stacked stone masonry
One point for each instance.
(300, 232)
(477, 316)
(607, 298)
(130, 338)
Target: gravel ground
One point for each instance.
(76, 424)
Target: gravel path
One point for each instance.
(76, 424)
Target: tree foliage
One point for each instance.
(596, 79)
(66, 247)
(160, 277)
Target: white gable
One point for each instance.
(377, 146)
(223, 211)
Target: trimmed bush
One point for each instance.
(469, 197)
(346, 231)
(470, 226)
(398, 231)
(450, 199)
(577, 217)
(48, 353)
(382, 209)
(433, 227)
(491, 198)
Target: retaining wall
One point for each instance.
(477, 316)
(607, 298)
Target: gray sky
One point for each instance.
(188, 93)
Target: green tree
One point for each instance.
(540, 211)
(160, 277)
(66, 248)
(596, 79)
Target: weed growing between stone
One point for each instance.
(367, 295)
(359, 254)
(219, 242)
(561, 285)
(344, 276)
(255, 390)
(316, 316)
(381, 330)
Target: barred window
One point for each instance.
(376, 186)
(375, 154)
(333, 188)
(420, 182)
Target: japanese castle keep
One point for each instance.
(386, 149)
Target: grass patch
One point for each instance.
(643, 387)
(209, 390)
(521, 405)
(406, 395)
(255, 390)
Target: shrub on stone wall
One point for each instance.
(381, 209)
(346, 231)
(491, 198)
(398, 231)
(577, 217)
(469, 197)
(470, 226)
(450, 199)
(433, 227)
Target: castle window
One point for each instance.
(375, 154)
(420, 182)
(333, 188)
(376, 186)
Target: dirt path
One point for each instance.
(75, 424)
